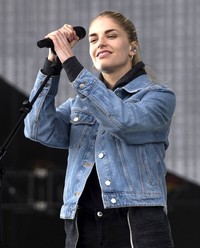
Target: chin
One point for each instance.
(104, 68)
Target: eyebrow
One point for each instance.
(106, 32)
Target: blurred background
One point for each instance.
(169, 37)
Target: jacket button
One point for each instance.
(81, 86)
(107, 183)
(113, 200)
(101, 155)
(76, 119)
(99, 214)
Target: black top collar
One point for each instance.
(135, 72)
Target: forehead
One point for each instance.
(103, 23)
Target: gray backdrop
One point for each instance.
(169, 39)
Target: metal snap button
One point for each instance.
(76, 119)
(113, 200)
(101, 155)
(81, 86)
(99, 214)
(107, 183)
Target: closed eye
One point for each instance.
(92, 40)
(112, 36)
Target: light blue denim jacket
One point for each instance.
(123, 132)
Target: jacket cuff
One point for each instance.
(47, 67)
(72, 67)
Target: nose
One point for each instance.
(101, 42)
(101, 45)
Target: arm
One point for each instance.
(148, 110)
(45, 123)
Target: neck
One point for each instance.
(112, 77)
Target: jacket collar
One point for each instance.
(135, 72)
(138, 84)
(133, 80)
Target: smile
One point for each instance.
(103, 54)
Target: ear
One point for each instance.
(133, 48)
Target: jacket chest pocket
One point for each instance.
(81, 128)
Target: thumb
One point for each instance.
(74, 41)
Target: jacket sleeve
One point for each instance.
(45, 123)
(149, 110)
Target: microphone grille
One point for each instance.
(80, 31)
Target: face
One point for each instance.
(110, 48)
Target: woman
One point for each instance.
(116, 132)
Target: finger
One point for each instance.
(65, 36)
(69, 31)
(51, 55)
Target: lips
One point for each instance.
(103, 53)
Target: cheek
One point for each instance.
(91, 52)
(125, 52)
(126, 48)
(123, 48)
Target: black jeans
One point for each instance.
(138, 227)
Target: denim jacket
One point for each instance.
(124, 133)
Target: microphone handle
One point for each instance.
(47, 42)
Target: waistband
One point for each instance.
(103, 212)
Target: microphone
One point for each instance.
(47, 42)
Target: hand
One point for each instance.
(51, 55)
(64, 40)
